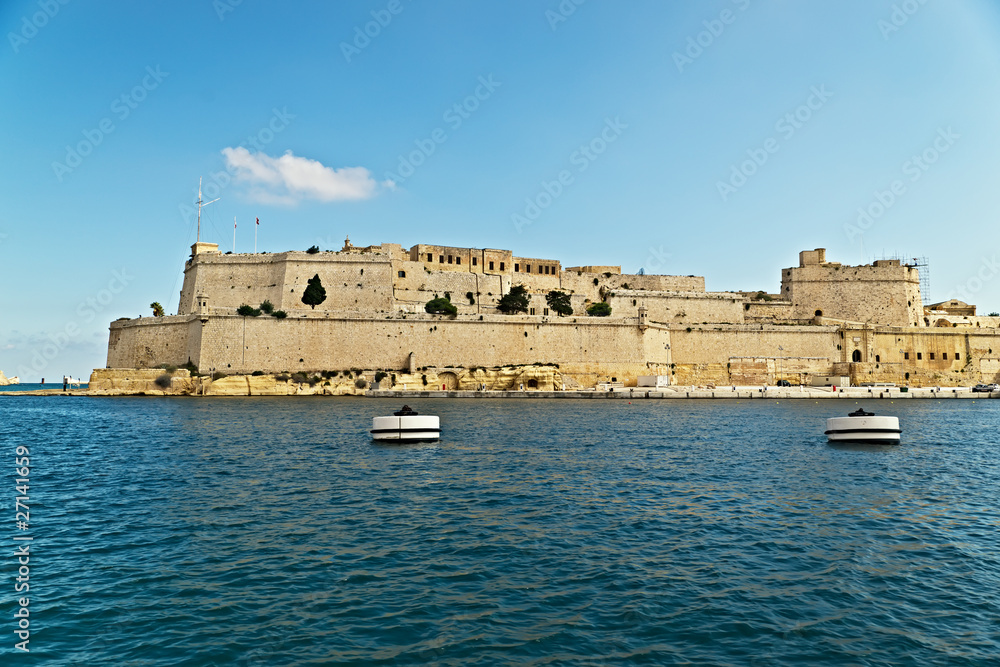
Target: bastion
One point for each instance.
(827, 319)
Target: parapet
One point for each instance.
(808, 257)
(595, 269)
(202, 248)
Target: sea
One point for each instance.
(272, 531)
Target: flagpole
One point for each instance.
(234, 234)
(255, 236)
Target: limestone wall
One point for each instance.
(678, 307)
(151, 341)
(887, 295)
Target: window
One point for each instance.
(856, 356)
(877, 359)
(501, 266)
(458, 260)
(430, 257)
(819, 313)
(957, 356)
(944, 356)
(931, 357)
(451, 260)
(441, 259)
(517, 267)
(531, 311)
(527, 268)
(545, 270)
(906, 355)
(920, 355)
(402, 274)
(545, 311)
(475, 261)
(491, 266)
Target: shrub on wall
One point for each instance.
(279, 314)
(441, 306)
(599, 309)
(267, 307)
(313, 250)
(248, 311)
(471, 298)
(163, 382)
(157, 309)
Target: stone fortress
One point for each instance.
(828, 320)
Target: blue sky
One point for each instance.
(714, 138)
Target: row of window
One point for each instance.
(930, 355)
(545, 270)
(452, 259)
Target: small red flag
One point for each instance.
(258, 221)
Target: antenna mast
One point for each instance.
(200, 205)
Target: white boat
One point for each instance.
(406, 426)
(863, 427)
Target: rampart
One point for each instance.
(865, 321)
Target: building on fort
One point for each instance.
(828, 319)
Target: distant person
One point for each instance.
(64, 384)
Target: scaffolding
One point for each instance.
(923, 267)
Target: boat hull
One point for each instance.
(871, 430)
(412, 428)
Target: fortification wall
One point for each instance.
(232, 280)
(887, 295)
(678, 308)
(768, 311)
(150, 341)
(235, 344)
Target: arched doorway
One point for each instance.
(448, 381)
(532, 384)
(856, 356)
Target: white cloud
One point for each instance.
(288, 180)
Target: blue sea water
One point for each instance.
(272, 531)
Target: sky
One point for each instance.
(715, 138)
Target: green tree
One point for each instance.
(267, 307)
(157, 309)
(441, 306)
(516, 301)
(559, 302)
(313, 250)
(599, 309)
(315, 293)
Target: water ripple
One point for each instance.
(273, 532)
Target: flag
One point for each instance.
(258, 221)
